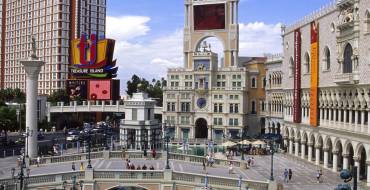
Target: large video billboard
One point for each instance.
(77, 89)
(209, 17)
(92, 58)
(103, 90)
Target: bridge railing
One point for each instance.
(136, 176)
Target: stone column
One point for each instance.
(286, 142)
(325, 115)
(345, 161)
(330, 114)
(321, 116)
(335, 161)
(326, 158)
(317, 155)
(356, 121)
(303, 149)
(291, 146)
(335, 111)
(150, 139)
(32, 66)
(368, 124)
(139, 143)
(296, 145)
(309, 153)
(357, 163)
(368, 173)
(340, 118)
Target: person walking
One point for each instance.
(154, 153)
(204, 166)
(318, 176)
(231, 168)
(290, 174)
(286, 173)
(82, 166)
(145, 153)
(38, 160)
(73, 166)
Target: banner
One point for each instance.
(297, 77)
(314, 74)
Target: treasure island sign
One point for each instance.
(93, 58)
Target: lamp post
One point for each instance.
(272, 151)
(244, 131)
(167, 139)
(23, 174)
(87, 139)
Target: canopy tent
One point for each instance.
(228, 144)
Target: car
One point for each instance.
(73, 138)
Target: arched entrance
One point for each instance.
(362, 159)
(201, 129)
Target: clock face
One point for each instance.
(201, 102)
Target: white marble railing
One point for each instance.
(56, 180)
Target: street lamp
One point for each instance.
(244, 132)
(167, 138)
(86, 136)
(272, 151)
(23, 174)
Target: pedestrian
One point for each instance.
(73, 166)
(320, 172)
(207, 157)
(286, 173)
(252, 162)
(231, 168)
(290, 174)
(144, 167)
(82, 166)
(154, 153)
(38, 160)
(138, 167)
(204, 166)
(145, 153)
(151, 167)
(249, 161)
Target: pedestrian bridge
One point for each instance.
(103, 177)
(90, 106)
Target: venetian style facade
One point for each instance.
(340, 139)
(272, 107)
(53, 23)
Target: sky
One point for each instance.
(149, 38)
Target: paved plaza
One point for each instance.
(304, 174)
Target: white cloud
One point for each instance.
(151, 58)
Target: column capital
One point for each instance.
(356, 158)
(325, 149)
(303, 142)
(335, 152)
(345, 155)
(310, 144)
(318, 146)
(368, 162)
(297, 140)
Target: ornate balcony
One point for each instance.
(346, 78)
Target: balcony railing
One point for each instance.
(346, 78)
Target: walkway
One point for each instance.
(304, 174)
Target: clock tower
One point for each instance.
(204, 99)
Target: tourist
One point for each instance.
(151, 167)
(290, 174)
(231, 168)
(252, 162)
(207, 157)
(73, 166)
(145, 153)
(318, 176)
(249, 161)
(204, 166)
(82, 166)
(138, 167)
(38, 160)
(286, 173)
(154, 153)
(144, 167)
(132, 166)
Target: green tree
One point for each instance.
(59, 96)
(153, 88)
(12, 95)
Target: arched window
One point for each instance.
(347, 63)
(253, 107)
(367, 21)
(264, 82)
(291, 66)
(307, 62)
(254, 85)
(327, 58)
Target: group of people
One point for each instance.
(210, 161)
(288, 174)
(131, 166)
(82, 167)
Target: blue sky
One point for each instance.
(149, 32)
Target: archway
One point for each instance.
(313, 142)
(320, 144)
(304, 140)
(349, 151)
(201, 129)
(362, 159)
(278, 128)
(347, 63)
(215, 46)
(339, 150)
(329, 147)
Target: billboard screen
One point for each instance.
(100, 89)
(297, 77)
(92, 58)
(77, 89)
(209, 17)
(314, 74)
